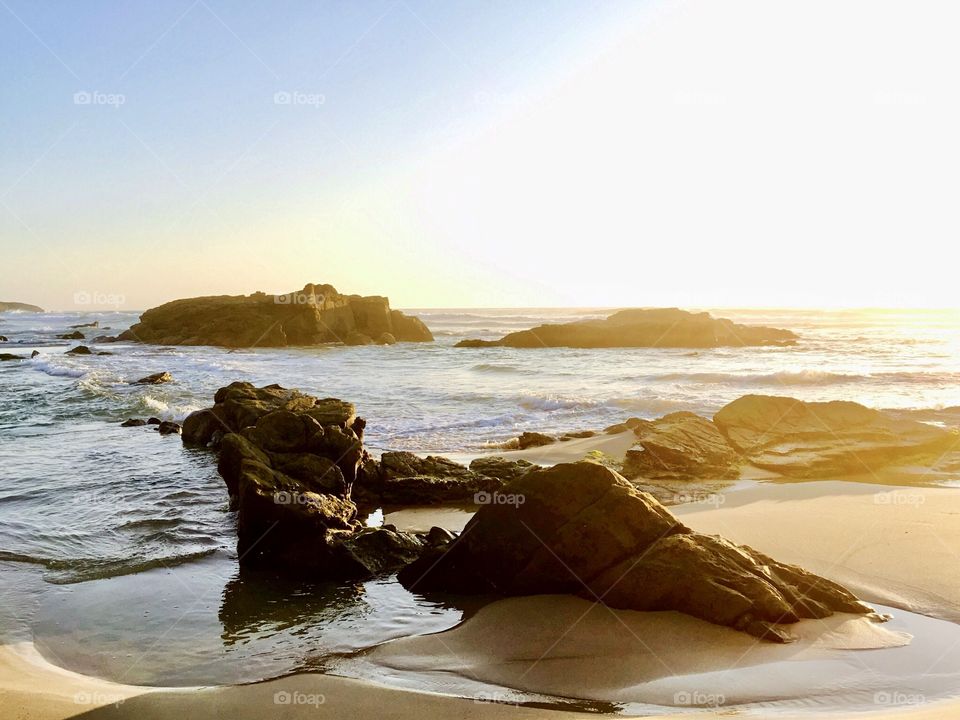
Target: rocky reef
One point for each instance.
(641, 327)
(315, 315)
(582, 529)
(297, 474)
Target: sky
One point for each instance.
(692, 153)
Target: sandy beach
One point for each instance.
(890, 545)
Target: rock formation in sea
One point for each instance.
(19, 307)
(295, 468)
(643, 327)
(312, 316)
(582, 529)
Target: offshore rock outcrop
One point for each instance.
(9, 306)
(315, 315)
(643, 327)
(580, 528)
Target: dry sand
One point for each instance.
(895, 546)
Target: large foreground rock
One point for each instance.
(680, 446)
(657, 327)
(317, 314)
(581, 528)
(820, 439)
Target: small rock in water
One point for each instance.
(133, 422)
(79, 350)
(154, 421)
(75, 335)
(9, 356)
(155, 379)
(169, 428)
(34, 354)
(4, 338)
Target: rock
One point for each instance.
(315, 315)
(154, 421)
(653, 327)
(201, 426)
(534, 439)
(19, 307)
(169, 428)
(133, 422)
(628, 424)
(402, 478)
(155, 379)
(821, 439)
(4, 338)
(104, 339)
(577, 435)
(79, 350)
(95, 323)
(9, 356)
(681, 446)
(34, 354)
(580, 528)
(386, 339)
(358, 338)
(501, 468)
(75, 335)
(374, 551)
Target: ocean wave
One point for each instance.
(802, 377)
(48, 368)
(74, 570)
(494, 368)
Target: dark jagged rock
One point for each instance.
(628, 424)
(94, 324)
(104, 339)
(79, 350)
(34, 354)
(317, 314)
(4, 338)
(75, 335)
(583, 529)
(133, 422)
(402, 478)
(654, 327)
(169, 428)
(820, 439)
(19, 307)
(681, 446)
(10, 356)
(154, 421)
(577, 435)
(534, 439)
(155, 379)
(501, 468)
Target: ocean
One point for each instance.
(116, 545)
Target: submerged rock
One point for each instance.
(75, 335)
(133, 422)
(317, 314)
(169, 428)
(534, 439)
(681, 445)
(653, 327)
(155, 379)
(819, 439)
(581, 528)
(79, 350)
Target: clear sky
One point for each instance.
(496, 153)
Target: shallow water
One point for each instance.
(93, 514)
